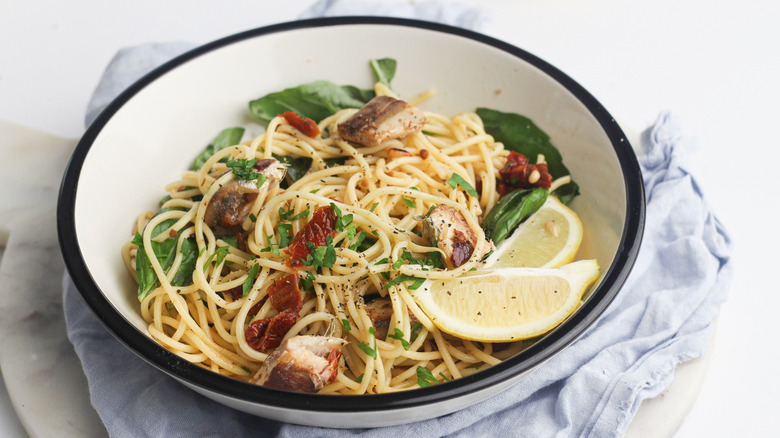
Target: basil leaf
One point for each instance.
(384, 70)
(164, 251)
(320, 99)
(189, 250)
(228, 137)
(315, 100)
(296, 168)
(525, 207)
(518, 133)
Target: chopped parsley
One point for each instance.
(361, 236)
(400, 336)
(250, 279)
(368, 350)
(220, 255)
(243, 169)
(308, 281)
(417, 282)
(321, 256)
(342, 220)
(288, 216)
(284, 235)
(425, 377)
(346, 326)
(415, 331)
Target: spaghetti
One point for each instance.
(373, 199)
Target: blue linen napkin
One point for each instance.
(662, 317)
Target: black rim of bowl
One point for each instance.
(198, 376)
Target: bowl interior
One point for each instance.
(151, 133)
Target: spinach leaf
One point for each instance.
(520, 210)
(165, 252)
(384, 70)
(520, 134)
(189, 251)
(315, 100)
(296, 167)
(320, 99)
(228, 137)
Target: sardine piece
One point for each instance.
(446, 227)
(382, 118)
(301, 364)
(380, 310)
(230, 206)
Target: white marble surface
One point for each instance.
(712, 63)
(42, 373)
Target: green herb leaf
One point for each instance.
(384, 70)
(296, 168)
(398, 334)
(250, 279)
(228, 137)
(518, 133)
(242, 169)
(517, 212)
(368, 350)
(457, 180)
(361, 236)
(346, 326)
(284, 235)
(417, 282)
(164, 251)
(288, 216)
(425, 377)
(321, 256)
(189, 251)
(409, 203)
(359, 379)
(342, 220)
(315, 100)
(415, 331)
(220, 253)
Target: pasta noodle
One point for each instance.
(386, 189)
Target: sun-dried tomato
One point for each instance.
(285, 296)
(307, 126)
(517, 170)
(321, 225)
(266, 334)
(285, 293)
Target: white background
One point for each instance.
(715, 65)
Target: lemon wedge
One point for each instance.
(549, 238)
(507, 304)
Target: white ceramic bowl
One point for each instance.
(146, 137)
